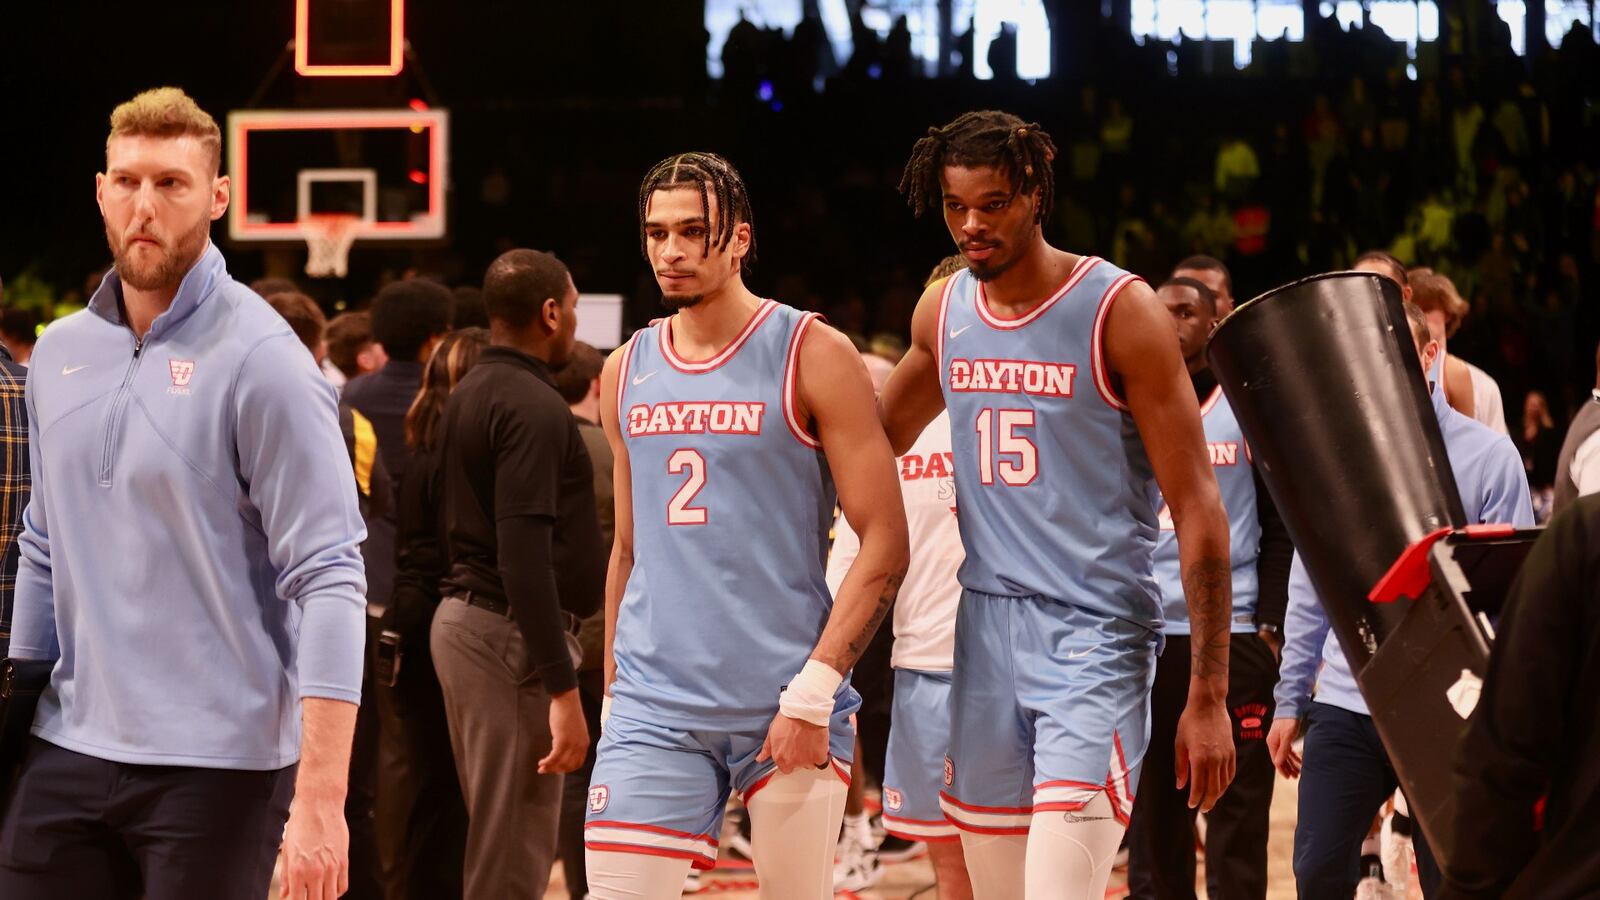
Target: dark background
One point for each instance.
(558, 109)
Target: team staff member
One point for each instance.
(1347, 774)
(525, 557)
(190, 560)
(1161, 837)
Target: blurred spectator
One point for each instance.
(266, 287)
(305, 320)
(1467, 388)
(1540, 445)
(468, 311)
(19, 328)
(351, 350)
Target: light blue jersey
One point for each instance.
(732, 501)
(1230, 460)
(1053, 478)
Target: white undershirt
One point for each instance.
(1487, 406)
(925, 611)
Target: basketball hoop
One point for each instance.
(329, 237)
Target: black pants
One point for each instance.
(421, 827)
(873, 679)
(575, 790)
(1161, 862)
(81, 827)
(1344, 781)
(360, 801)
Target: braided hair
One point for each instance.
(1022, 150)
(713, 176)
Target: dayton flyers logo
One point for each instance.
(892, 799)
(599, 798)
(949, 772)
(182, 370)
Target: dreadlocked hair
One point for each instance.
(983, 138)
(713, 176)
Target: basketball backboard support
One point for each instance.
(345, 38)
(387, 167)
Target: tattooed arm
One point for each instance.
(1142, 350)
(834, 395)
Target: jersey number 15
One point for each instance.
(1001, 447)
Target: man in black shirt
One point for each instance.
(1161, 861)
(1528, 769)
(525, 560)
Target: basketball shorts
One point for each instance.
(919, 735)
(661, 791)
(1050, 703)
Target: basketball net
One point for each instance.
(329, 237)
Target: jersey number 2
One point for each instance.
(679, 512)
(1025, 468)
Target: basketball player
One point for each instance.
(731, 422)
(1066, 392)
(924, 649)
(1214, 274)
(1161, 841)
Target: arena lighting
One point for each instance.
(302, 46)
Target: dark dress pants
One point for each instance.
(79, 826)
(1344, 779)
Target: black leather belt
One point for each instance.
(501, 608)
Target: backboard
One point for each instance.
(388, 167)
(349, 37)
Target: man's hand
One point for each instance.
(316, 849)
(569, 734)
(794, 744)
(1205, 760)
(1274, 641)
(1280, 743)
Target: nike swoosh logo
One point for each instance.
(68, 370)
(641, 379)
(1080, 654)
(956, 332)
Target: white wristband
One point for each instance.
(605, 710)
(809, 696)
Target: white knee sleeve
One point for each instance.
(995, 863)
(1070, 853)
(634, 876)
(794, 827)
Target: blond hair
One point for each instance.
(168, 113)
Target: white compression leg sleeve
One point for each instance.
(794, 828)
(1070, 854)
(995, 863)
(634, 876)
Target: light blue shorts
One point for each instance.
(661, 791)
(1050, 704)
(918, 738)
